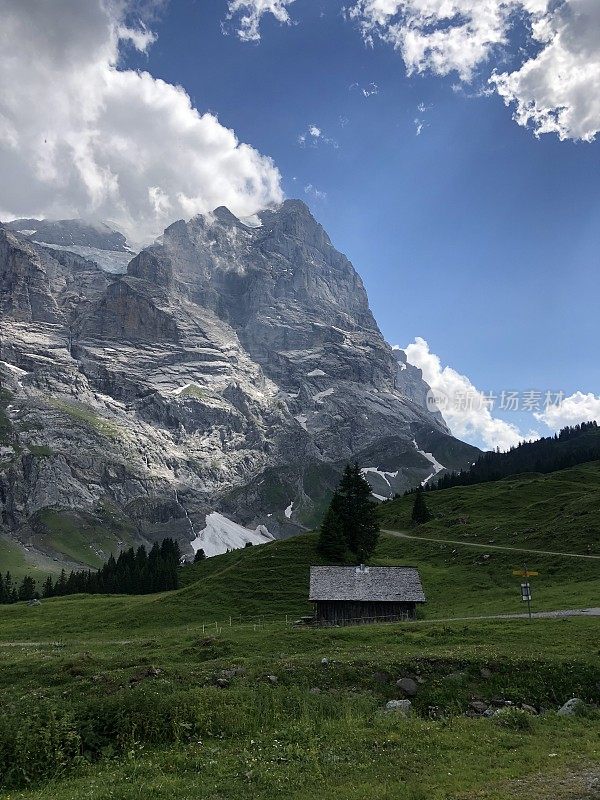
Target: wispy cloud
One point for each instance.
(313, 136)
(368, 90)
(312, 191)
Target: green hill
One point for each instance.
(556, 511)
(210, 691)
(572, 446)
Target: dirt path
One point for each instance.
(404, 535)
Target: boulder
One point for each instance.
(222, 683)
(478, 707)
(485, 673)
(407, 686)
(402, 707)
(571, 707)
(272, 679)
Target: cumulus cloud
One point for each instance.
(465, 408)
(250, 12)
(575, 408)
(81, 137)
(556, 90)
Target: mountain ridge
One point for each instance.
(230, 369)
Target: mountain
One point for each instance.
(233, 368)
(97, 242)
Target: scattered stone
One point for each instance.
(571, 707)
(402, 707)
(456, 676)
(407, 686)
(272, 679)
(222, 683)
(485, 673)
(420, 679)
(232, 672)
(314, 690)
(434, 712)
(478, 706)
(324, 661)
(529, 709)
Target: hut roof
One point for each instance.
(368, 584)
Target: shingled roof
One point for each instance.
(368, 584)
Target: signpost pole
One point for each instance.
(528, 592)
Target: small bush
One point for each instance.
(514, 719)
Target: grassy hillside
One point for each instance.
(123, 699)
(558, 511)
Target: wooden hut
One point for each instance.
(358, 595)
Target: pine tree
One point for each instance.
(47, 588)
(27, 588)
(60, 587)
(200, 556)
(332, 542)
(420, 512)
(357, 513)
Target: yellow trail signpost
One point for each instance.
(525, 573)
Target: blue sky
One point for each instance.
(468, 230)
(474, 234)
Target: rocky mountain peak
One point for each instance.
(232, 369)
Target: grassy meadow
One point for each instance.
(211, 692)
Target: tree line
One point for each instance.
(132, 572)
(574, 445)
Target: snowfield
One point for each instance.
(222, 534)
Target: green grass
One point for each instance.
(81, 538)
(85, 415)
(559, 511)
(122, 701)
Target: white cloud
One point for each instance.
(314, 192)
(81, 137)
(578, 407)
(464, 407)
(250, 13)
(557, 90)
(367, 91)
(314, 135)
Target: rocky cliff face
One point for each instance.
(232, 369)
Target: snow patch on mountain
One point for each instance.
(221, 534)
(437, 467)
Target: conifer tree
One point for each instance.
(27, 588)
(356, 513)
(332, 542)
(200, 556)
(420, 512)
(47, 588)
